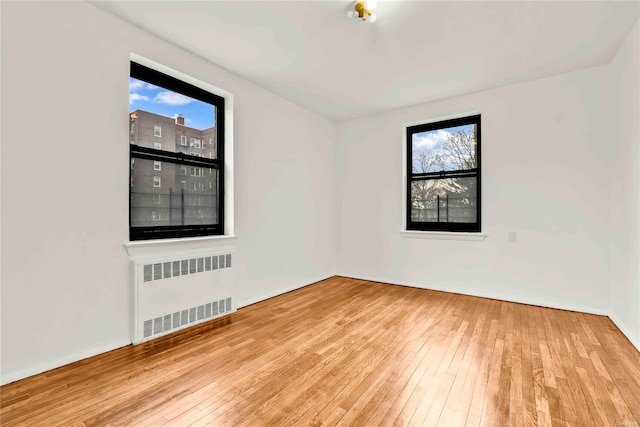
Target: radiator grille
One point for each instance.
(177, 320)
(170, 269)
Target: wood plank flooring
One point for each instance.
(353, 353)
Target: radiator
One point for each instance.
(173, 294)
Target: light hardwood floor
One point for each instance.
(353, 353)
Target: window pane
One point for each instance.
(180, 200)
(446, 149)
(444, 200)
(167, 120)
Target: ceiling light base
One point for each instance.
(364, 10)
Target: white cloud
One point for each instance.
(430, 140)
(133, 97)
(171, 98)
(135, 84)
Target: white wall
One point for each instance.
(545, 172)
(625, 189)
(65, 283)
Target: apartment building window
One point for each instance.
(196, 142)
(204, 111)
(443, 175)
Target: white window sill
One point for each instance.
(439, 235)
(169, 248)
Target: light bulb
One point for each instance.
(373, 18)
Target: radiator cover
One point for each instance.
(176, 293)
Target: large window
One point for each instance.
(443, 175)
(186, 208)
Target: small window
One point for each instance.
(183, 140)
(157, 131)
(157, 146)
(157, 165)
(197, 171)
(443, 175)
(196, 143)
(183, 170)
(184, 185)
(156, 181)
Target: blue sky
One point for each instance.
(154, 99)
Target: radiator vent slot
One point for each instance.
(178, 320)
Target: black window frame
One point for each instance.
(465, 227)
(165, 81)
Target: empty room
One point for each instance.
(287, 213)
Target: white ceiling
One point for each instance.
(418, 51)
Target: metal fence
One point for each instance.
(444, 209)
(173, 208)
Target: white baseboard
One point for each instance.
(9, 377)
(633, 338)
(496, 296)
(280, 291)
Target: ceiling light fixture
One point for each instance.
(364, 10)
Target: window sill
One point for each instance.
(439, 235)
(168, 248)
